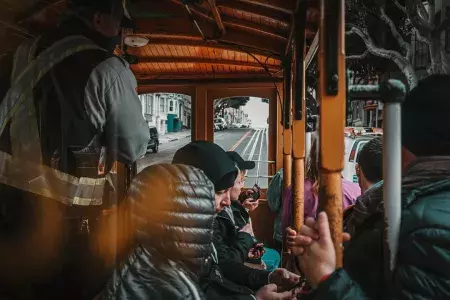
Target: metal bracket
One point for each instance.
(300, 27)
(287, 89)
(390, 91)
(332, 22)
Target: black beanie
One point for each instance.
(211, 159)
(426, 117)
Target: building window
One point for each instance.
(161, 104)
(149, 104)
(447, 31)
(171, 105)
(422, 55)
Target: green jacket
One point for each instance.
(422, 270)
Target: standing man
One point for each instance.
(369, 167)
(69, 105)
(369, 170)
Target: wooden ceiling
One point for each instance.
(234, 39)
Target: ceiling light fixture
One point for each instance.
(136, 41)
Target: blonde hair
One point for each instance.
(312, 169)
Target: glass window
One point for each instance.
(422, 55)
(161, 104)
(245, 130)
(171, 105)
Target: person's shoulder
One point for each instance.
(113, 66)
(430, 203)
(350, 189)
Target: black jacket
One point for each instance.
(231, 244)
(423, 256)
(233, 248)
(172, 212)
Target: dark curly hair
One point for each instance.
(370, 160)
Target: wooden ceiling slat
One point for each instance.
(174, 27)
(187, 59)
(260, 10)
(286, 6)
(188, 75)
(160, 50)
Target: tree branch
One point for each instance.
(357, 56)
(403, 64)
(422, 25)
(423, 11)
(370, 45)
(420, 37)
(445, 61)
(432, 11)
(401, 7)
(398, 37)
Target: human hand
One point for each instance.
(284, 279)
(297, 242)
(247, 228)
(318, 257)
(269, 292)
(257, 251)
(250, 204)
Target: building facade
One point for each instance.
(235, 115)
(167, 112)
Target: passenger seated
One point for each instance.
(350, 190)
(172, 212)
(235, 231)
(231, 279)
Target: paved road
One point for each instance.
(250, 143)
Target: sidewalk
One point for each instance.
(174, 136)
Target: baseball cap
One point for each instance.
(241, 163)
(116, 8)
(211, 159)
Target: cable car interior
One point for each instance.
(215, 49)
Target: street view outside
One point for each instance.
(240, 125)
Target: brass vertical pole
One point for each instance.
(299, 118)
(332, 91)
(287, 131)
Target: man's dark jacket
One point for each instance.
(231, 244)
(423, 257)
(233, 248)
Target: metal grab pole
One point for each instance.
(392, 93)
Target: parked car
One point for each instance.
(352, 147)
(221, 123)
(153, 143)
(216, 127)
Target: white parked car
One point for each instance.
(221, 123)
(352, 147)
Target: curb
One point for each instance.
(176, 139)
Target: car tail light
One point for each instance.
(352, 155)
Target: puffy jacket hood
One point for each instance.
(172, 211)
